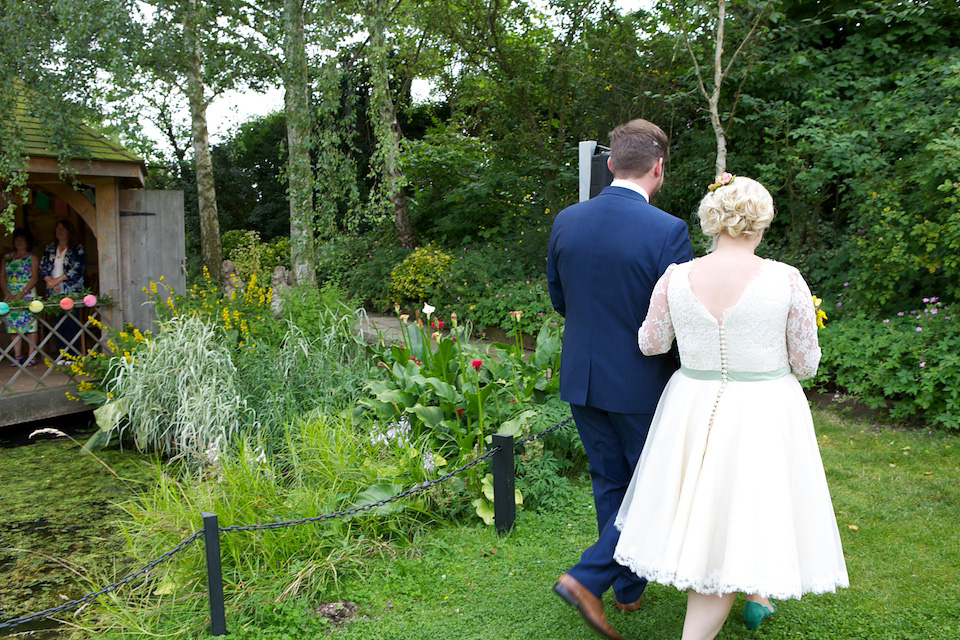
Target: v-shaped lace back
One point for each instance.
(771, 326)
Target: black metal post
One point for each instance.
(211, 540)
(504, 501)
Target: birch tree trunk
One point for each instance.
(299, 174)
(713, 101)
(206, 188)
(719, 73)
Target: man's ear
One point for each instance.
(610, 164)
(658, 168)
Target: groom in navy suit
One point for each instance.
(605, 256)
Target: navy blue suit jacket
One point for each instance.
(605, 256)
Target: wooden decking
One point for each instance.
(35, 393)
(40, 391)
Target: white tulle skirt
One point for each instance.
(741, 505)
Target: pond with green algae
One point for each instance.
(59, 537)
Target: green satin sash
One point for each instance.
(736, 376)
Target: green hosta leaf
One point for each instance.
(484, 510)
(487, 486)
(379, 492)
(430, 416)
(512, 427)
(444, 390)
(93, 398)
(400, 399)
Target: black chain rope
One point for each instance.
(72, 604)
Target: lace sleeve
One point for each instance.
(803, 350)
(656, 333)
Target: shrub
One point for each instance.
(419, 274)
(907, 362)
(251, 256)
(360, 266)
(530, 297)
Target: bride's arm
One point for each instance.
(803, 350)
(656, 333)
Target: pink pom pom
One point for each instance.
(66, 304)
(89, 300)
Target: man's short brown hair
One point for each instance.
(635, 147)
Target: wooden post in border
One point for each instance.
(211, 541)
(504, 494)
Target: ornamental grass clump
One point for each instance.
(178, 396)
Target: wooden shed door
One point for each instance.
(151, 245)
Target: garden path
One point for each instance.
(388, 325)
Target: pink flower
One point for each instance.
(919, 328)
(923, 364)
(476, 364)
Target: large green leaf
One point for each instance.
(512, 427)
(398, 398)
(430, 416)
(379, 492)
(484, 510)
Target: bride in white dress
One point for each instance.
(730, 494)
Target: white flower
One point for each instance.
(48, 431)
(262, 457)
(213, 452)
(427, 309)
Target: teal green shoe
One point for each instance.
(754, 613)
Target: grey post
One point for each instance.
(211, 540)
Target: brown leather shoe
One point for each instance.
(587, 604)
(631, 607)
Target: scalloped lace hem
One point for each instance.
(718, 584)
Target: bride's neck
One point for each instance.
(729, 245)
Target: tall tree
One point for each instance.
(721, 69)
(383, 111)
(190, 48)
(193, 23)
(296, 81)
(57, 58)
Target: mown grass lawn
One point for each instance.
(897, 498)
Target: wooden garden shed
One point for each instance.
(130, 236)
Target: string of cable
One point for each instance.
(72, 604)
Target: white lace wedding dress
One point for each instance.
(730, 493)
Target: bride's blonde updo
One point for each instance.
(741, 207)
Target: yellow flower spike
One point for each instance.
(153, 287)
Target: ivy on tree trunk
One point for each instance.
(299, 132)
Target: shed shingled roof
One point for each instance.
(95, 146)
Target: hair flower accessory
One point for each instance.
(723, 180)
